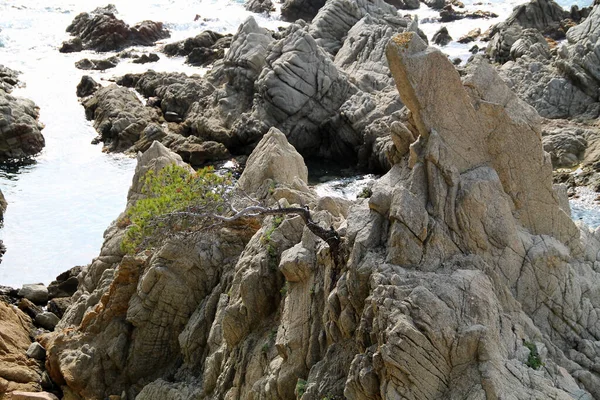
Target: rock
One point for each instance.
(46, 320)
(405, 4)
(65, 284)
(59, 305)
(17, 371)
(449, 14)
(37, 293)
(203, 49)
(20, 136)
(565, 149)
(442, 37)
(101, 31)
(36, 351)
(273, 158)
(471, 36)
(87, 86)
(292, 10)
(18, 395)
(146, 58)
(539, 213)
(119, 116)
(337, 17)
(566, 82)
(259, 6)
(102, 65)
(29, 308)
(3, 205)
(435, 4)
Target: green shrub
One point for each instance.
(534, 360)
(169, 191)
(300, 387)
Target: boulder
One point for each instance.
(471, 36)
(46, 320)
(36, 351)
(36, 292)
(102, 65)
(65, 284)
(87, 86)
(273, 158)
(442, 37)
(19, 395)
(146, 58)
(59, 305)
(102, 31)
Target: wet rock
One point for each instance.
(36, 293)
(405, 4)
(87, 86)
(435, 4)
(146, 58)
(442, 37)
(102, 65)
(202, 49)
(102, 31)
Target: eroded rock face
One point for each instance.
(101, 30)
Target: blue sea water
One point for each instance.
(60, 206)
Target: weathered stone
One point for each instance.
(36, 292)
(442, 37)
(46, 320)
(273, 158)
(86, 86)
(36, 351)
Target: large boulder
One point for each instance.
(202, 49)
(291, 10)
(101, 30)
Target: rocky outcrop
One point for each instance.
(20, 130)
(442, 37)
(566, 81)
(462, 275)
(101, 31)
(87, 64)
(17, 371)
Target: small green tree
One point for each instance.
(173, 191)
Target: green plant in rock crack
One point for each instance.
(533, 360)
(266, 238)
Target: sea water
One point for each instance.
(59, 206)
